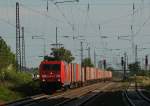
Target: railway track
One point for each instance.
(77, 96)
(84, 99)
(135, 97)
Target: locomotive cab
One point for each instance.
(50, 74)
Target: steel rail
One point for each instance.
(81, 100)
(133, 101)
(143, 96)
(71, 95)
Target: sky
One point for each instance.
(110, 18)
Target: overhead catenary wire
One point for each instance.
(13, 25)
(61, 20)
(141, 27)
(42, 14)
(45, 15)
(65, 17)
(107, 21)
(70, 23)
(145, 22)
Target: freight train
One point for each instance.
(55, 75)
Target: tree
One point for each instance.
(7, 59)
(87, 63)
(110, 69)
(60, 54)
(6, 56)
(134, 67)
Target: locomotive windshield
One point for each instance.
(51, 67)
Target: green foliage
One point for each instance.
(110, 69)
(144, 73)
(8, 95)
(87, 63)
(60, 54)
(134, 67)
(6, 56)
(28, 89)
(17, 85)
(15, 77)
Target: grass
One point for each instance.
(142, 81)
(11, 92)
(16, 85)
(28, 89)
(8, 95)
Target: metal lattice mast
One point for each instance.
(18, 48)
(132, 35)
(23, 51)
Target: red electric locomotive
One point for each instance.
(53, 75)
(58, 74)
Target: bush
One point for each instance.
(2, 75)
(17, 85)
(134, 68)
(29, 89)
(8, 95)
(17, 77)
(144, 73)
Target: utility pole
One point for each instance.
(89, 54)
(133, 46)
(136, 56)
(47, 6)
(18, 46)
(56, 44)
(56, 38)
(44, 45)
(122, 62)
(94, 58)
(73, 29)
(146, 62)
(104, 64)
(81, 62)
(124, 65)
(81, 53)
